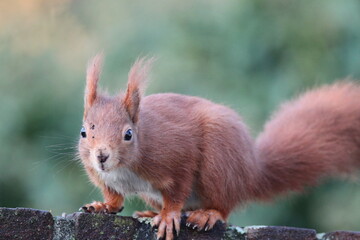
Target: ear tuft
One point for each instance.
(137, 78)
(138, 74)
(92, 79)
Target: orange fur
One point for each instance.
(314, 136)
(187, 153)
(148, 214)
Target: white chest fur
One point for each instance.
(126, 182)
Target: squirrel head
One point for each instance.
(109, 135)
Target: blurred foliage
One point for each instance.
(250, 55)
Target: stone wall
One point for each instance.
(24, 223)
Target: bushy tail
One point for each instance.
(315, 135)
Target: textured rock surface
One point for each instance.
(22, 223)
(341, 235)
(280, 233)
(64, 229)
(101, 226)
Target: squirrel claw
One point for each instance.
(83, 209)
(99, 207)
(118, 211)
(203, 219)
(167, 222)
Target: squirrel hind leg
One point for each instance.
(203, 219)
(151, 202)
(148, 214)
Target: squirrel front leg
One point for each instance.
(113, 203)
(169, 217)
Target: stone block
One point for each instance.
(341, 235)
(25, 223)
(279, 233)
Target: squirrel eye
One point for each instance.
(83, 132)
(128, 135)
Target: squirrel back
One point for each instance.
(313, 136)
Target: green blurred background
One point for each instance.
(249, 55)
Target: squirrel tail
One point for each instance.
(311, 137)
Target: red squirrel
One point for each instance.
(187, 154)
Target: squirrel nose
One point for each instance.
(102, 158)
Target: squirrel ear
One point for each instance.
(92, 78)
(138, 75)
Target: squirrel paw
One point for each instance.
(100, 207)
(203, 219)
(148, 214)
(167, 222)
